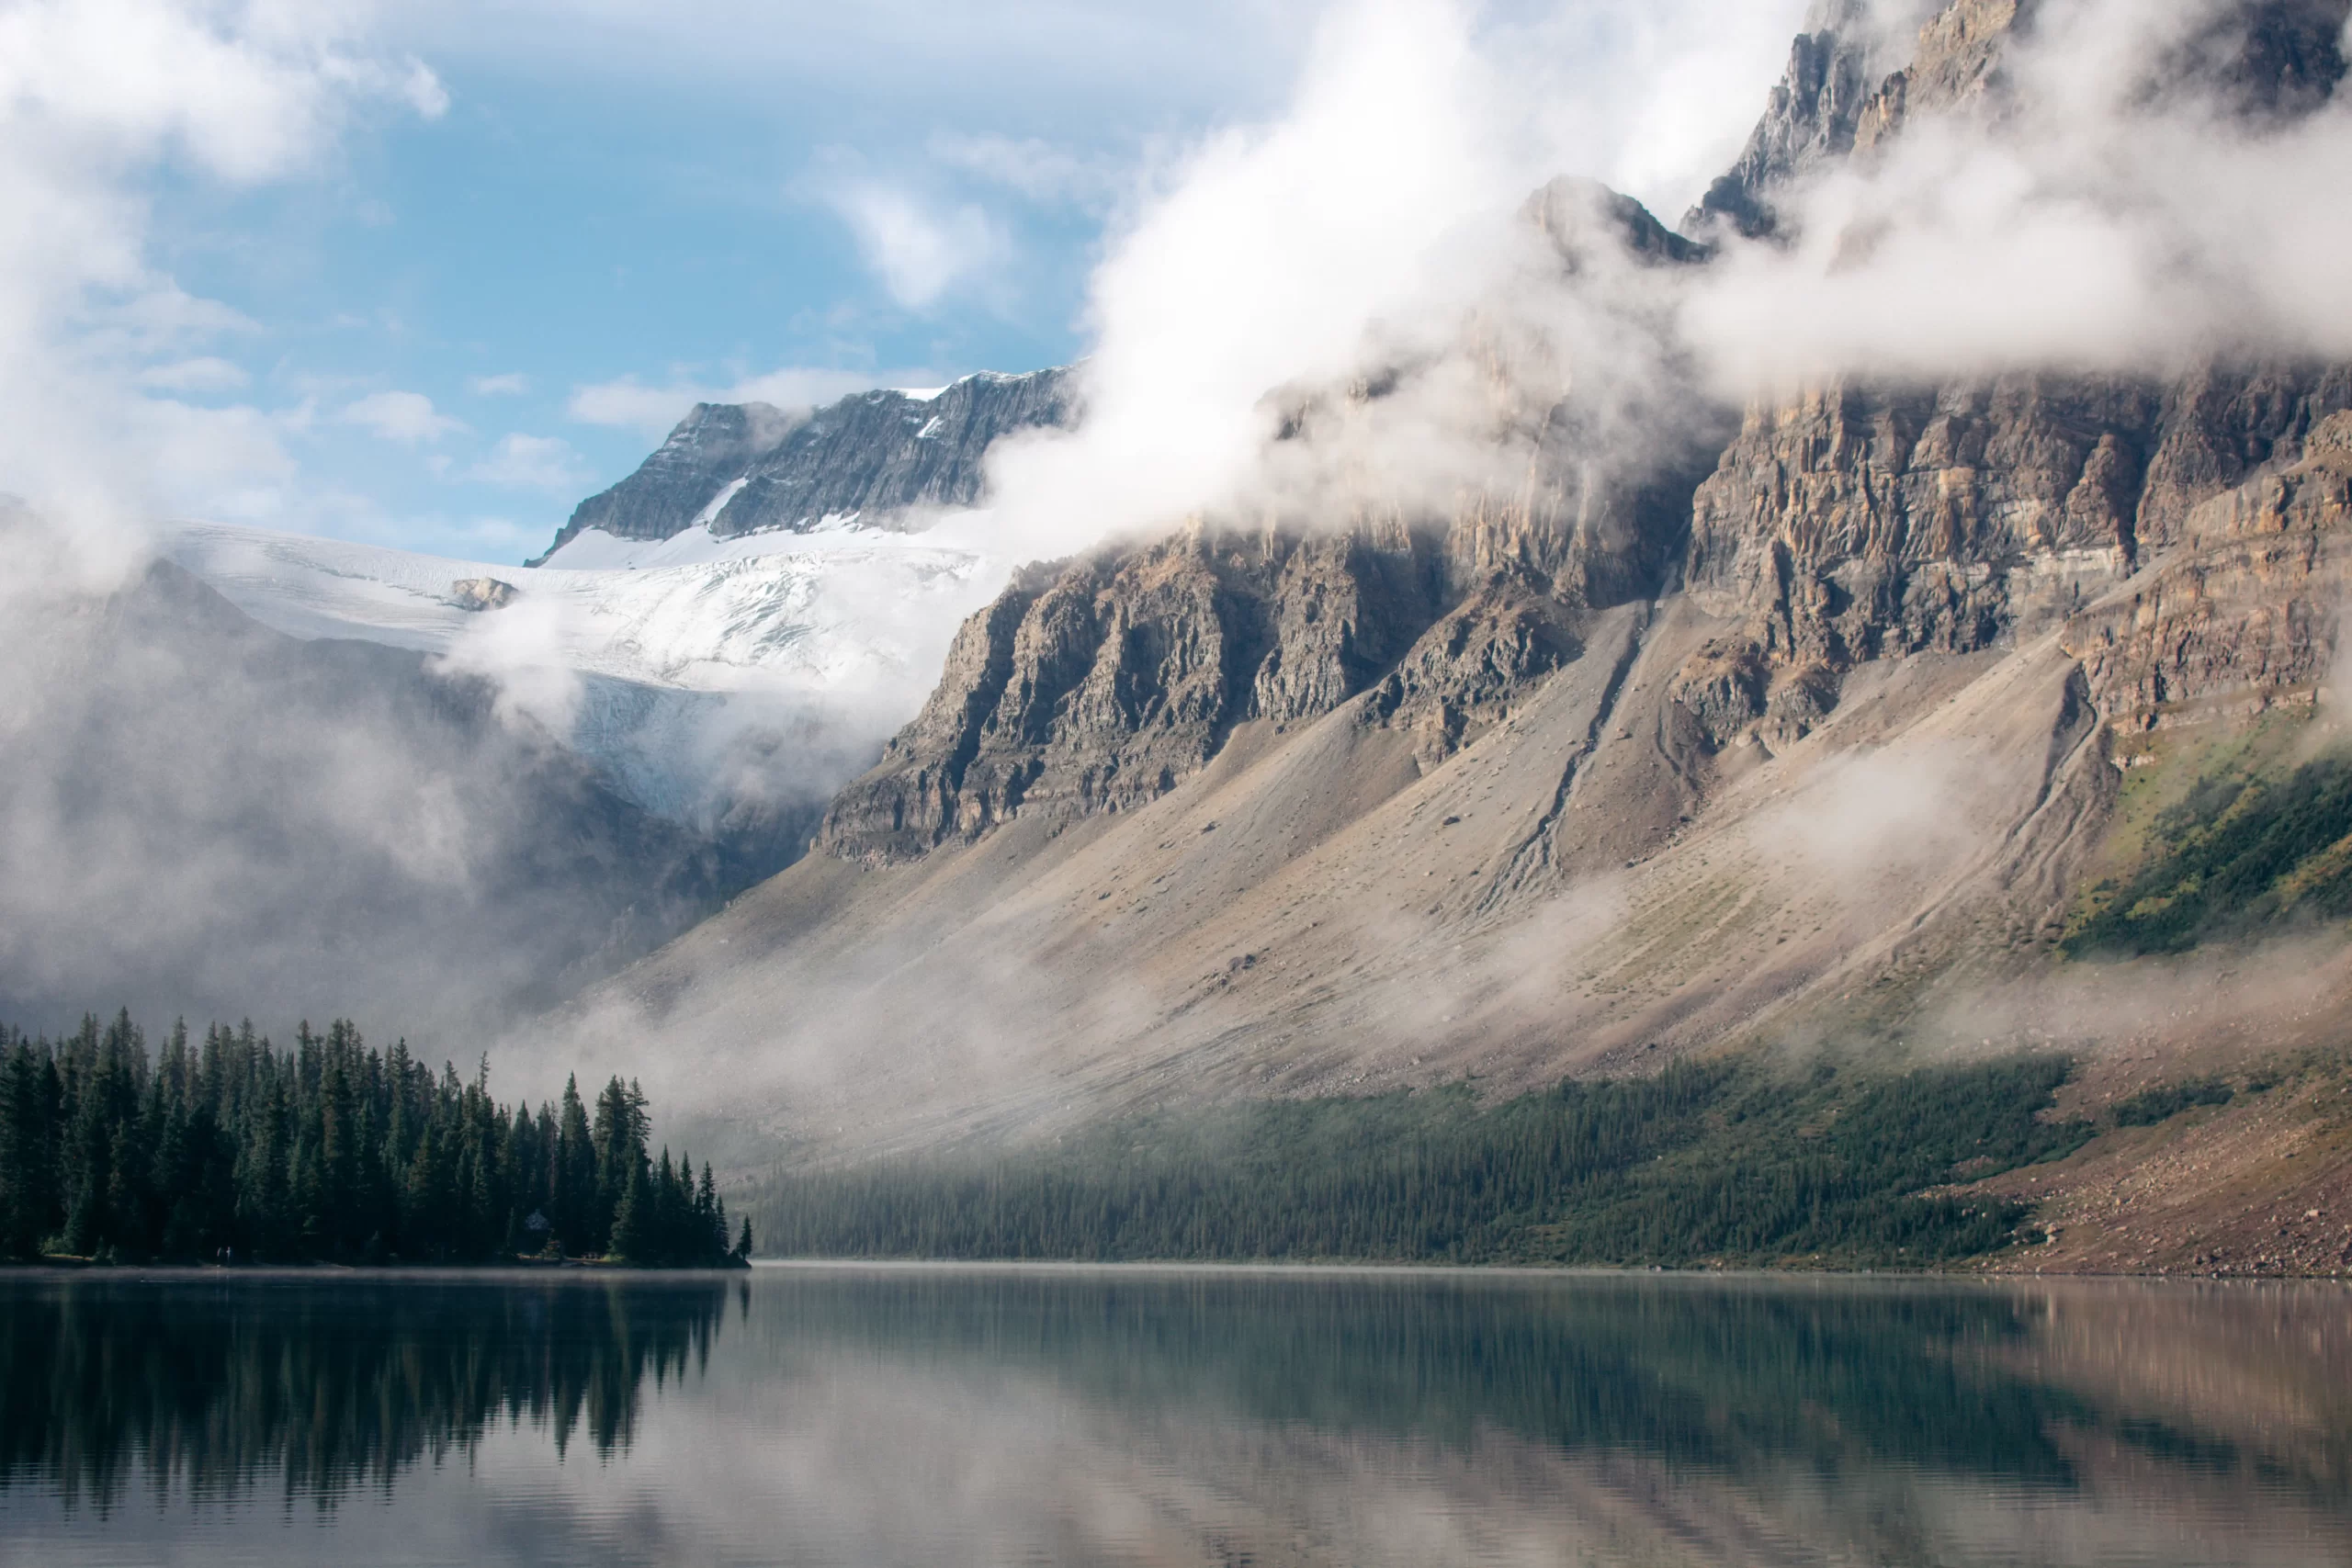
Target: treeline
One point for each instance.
(231, 1150)
(1712, 1162)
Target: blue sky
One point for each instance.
(626, 213)
(427, 273)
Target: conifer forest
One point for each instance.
(229, 1150)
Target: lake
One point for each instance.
(973, 1415)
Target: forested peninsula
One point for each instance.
(231, 1150)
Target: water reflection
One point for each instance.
(215, 1385)
(961, 1415)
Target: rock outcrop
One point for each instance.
(882, 457)
(1099, 685)
(483, 593)
(1821, 105)
(2243, 614)
(1866, 519)
(1861, 520)
(1857, 522)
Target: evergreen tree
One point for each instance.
(633, 1223)
(574, 1177)
(329, 1151)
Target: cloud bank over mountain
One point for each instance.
(2105, 199)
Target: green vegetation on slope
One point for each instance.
(2252, 839)
(235, 1151)
(2154, 1107)
(1712, 1162)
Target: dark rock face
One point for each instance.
(1811, 118)
(2269, 59)
(879, 455)
(1097, 685)
(710, 447)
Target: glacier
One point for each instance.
(699, 673)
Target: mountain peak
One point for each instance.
(880, 455)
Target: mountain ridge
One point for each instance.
(1816, 764)
(882, 457)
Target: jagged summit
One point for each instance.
(1836, 69)
(880, 455)
(1863, 67)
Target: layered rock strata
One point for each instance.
(1865, 519)
(2244, 614)
(1099, 685)
(1861, 521)
(1857, 522)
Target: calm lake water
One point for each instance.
(980, 1417)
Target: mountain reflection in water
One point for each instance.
(939, 1415)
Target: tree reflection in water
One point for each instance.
(219, 1388)
(934, 1417)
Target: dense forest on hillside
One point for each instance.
(1706, 1163)
(2251, 843)
(231, 1150)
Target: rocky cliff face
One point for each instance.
(1098, 685)
(1862, 520)
(2243, 614)
(1812, 117)
(880, 455)
(1843, 93)
(1857, 522)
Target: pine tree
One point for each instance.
(330, 1150)
(633, 1221)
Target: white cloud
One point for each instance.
(2088, 226)
(1036, 170)
(513, 384)
(920, 250)
(521, 649)
(216, 462)
(405, 417)
(533, 462)
(97, 97)
(1265, 263)
(248, 93)
(200, 375)
(630, 404)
